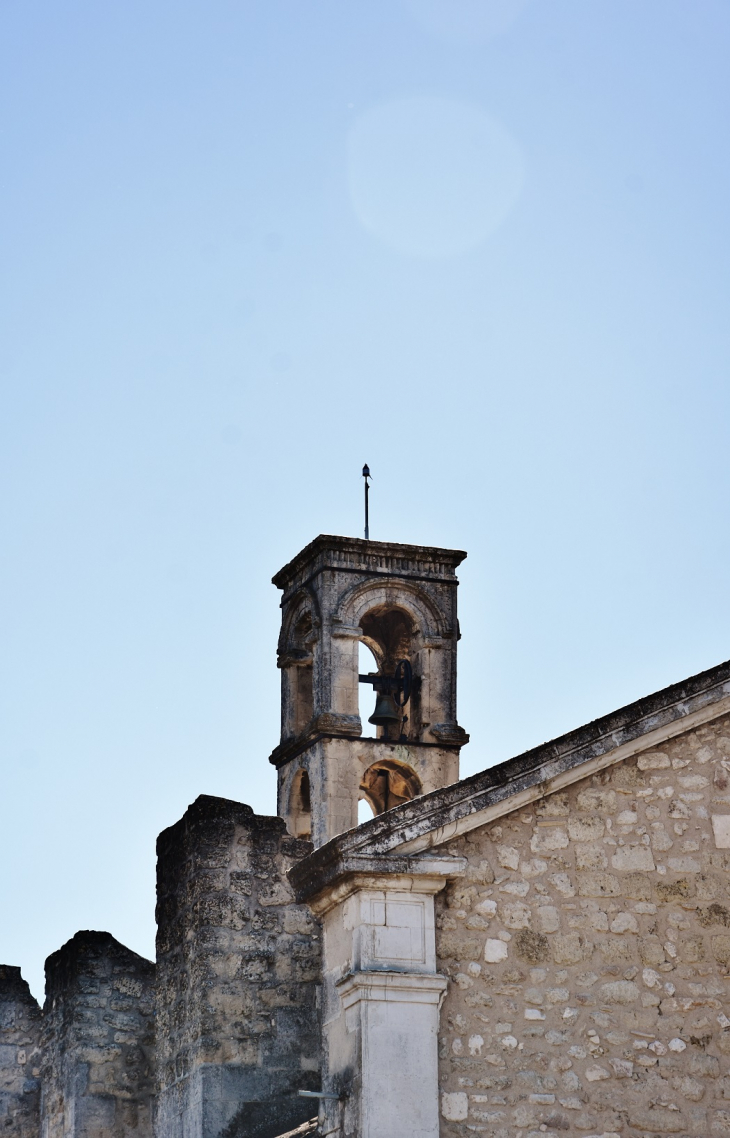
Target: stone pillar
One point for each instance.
(345, 692)
(98, 1041)
(238, 977)
(394, 1018)
(20, 1029)
(381, 1003)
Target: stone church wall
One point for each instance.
(588, 949)
(238, 977)
(98, 1041)
(20, 1031)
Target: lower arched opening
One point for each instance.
(387, 784)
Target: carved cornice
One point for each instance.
(291, 748)
(344, 876)
(370, 558)
(324, 725)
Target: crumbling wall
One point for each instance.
(98, 1041)
(20, 1030)
(238, 977)
(588, 949)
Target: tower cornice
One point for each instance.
(370, 558)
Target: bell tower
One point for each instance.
(400, 601)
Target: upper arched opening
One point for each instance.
(423, 610)
(388, 631)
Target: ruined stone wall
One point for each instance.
(238, 977)
(588, 949)
(98, 1041)
(20, 1030)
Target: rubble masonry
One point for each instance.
(588, 948)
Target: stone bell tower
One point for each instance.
(399, 600)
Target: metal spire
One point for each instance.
(366, 476)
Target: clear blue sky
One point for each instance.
(247, 247)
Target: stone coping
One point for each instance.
(72, 959)
(442, 810)
(14, 988)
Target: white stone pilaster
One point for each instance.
(381, 1001)
(395, 1015)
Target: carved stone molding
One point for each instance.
(450, 733)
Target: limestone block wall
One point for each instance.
(20, 1029)
(98, 1041)
(588, 949)
(238, 977)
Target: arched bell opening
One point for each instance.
(300, 806)
(389, 632)
(367, 664)
(388, 783)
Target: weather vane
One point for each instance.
(366, 475)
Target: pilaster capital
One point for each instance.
(395, 987)
(449, 734)
(425, 875)
(332, 721)
(294, 658)
(345, 631)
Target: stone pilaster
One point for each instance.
(381, 1001)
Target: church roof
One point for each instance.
(395, 840)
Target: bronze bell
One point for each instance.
(385, 712)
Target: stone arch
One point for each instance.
(388, 783)
(387, 593)
(301, 606)
(398, 619)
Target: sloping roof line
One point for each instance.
(303, 1131)
(431, 818)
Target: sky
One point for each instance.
(248, 246)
